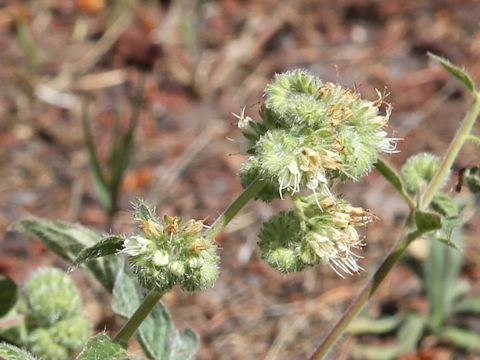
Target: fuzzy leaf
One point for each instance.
(465, 339)
(8, 294)
(381, 325)
(102, 347)
(460, 74)
(427, 221)
(184, 345)
(469, 305)
(11, 352)
(393, 178)
(445, 206)
(109, 245)
(157, 335)
(67, 241)
(155, 332)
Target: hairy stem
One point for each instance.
(153, 296)
(363, 296)
(223, 220)
(462, 135)
(137, 318)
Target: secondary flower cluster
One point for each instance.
(55, 326)
(310, 135)
(309, 236)
(170, 251)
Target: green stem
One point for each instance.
(363, 296)
(462, 135)
(137, 318)
(474, 139)
(234, 208)
(153, 296)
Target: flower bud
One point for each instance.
(40, 342)
(160, 258)
(418, 171)
(177, 255)
(51, 295)
(177, 268)
(71, 333)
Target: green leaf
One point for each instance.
(427, 221)
(442, 272)
(10, 352)
(468, 305)
(410, 333)
(393, 178)
(157, 335)
(109, 245)
(184, 345)
(68, 240)
(380, 325)
(368, 352)
(445, 206)
(99, 179)
(155, 332)
(460, 74)
(8, 294)
(462, 338)
(101, 347)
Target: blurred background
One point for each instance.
(199, 61)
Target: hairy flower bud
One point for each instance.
(313, 134)
(290, 241)
(71, 333)
(418, 171)
(176, 253)
(51, 295)
(41, 343)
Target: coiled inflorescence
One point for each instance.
(170, 251)
(55, 324)
(310, 135)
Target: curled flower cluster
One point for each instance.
(170, 252)
(309, 236)
(310, 135)
(55, 326)
(418, 171)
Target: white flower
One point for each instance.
(136, 245)
(243, 121)
(160, 258)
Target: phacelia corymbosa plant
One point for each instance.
(309, 136)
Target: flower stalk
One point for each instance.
(145, 308)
